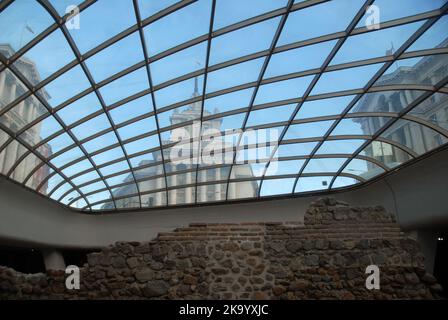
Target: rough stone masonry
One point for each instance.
(323, 258)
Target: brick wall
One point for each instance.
(323, 258)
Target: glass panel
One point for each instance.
(284, 167)
(77, 168)
(418, 138)
(300, 59)
(306, 184)
(330, 165)
(52, 182)
(427, 70)
(317, 20)
(41, 131)
(116, 180)
(86, 177)
(125, 86)
(9, 155)
(179, 63)
(388, 154)
(435, 37)
(80, 109)
(148, 8)
(241, 190)
(150, 185)
(100, 196)
(107, 156)
(182, 196)
(180, 115)
(3, 137)
(22, 114)
(386, 101)
(212, 192)
(21, 22)
(270, 115)
(232, 11)
(79, 204)
(38, 176)
(247, 170)
(62, 6)
(145, 159)
(308, 130)
(25, 167)
(245, 39)
(55, 145)
(323, 107)
(130, 189)
(120, 53)
(229, 101)
(91, 127)
(137, 128)
(101, 21)
(66, 157)
(261, 136)
(11, 88)
(65, 87)
(340, 146)
(235, 75)
(178, 27)
(434, 110)
(348, 79)
(101, 142)
(178, 92)
(36, 66)
(132, 109)
(391, 10)
(375, 44)
(154, 199)
(295, 149)
(104, 206)
(93, 187)
(340, 182)
(70, 197)
(216, 174)
(360, 126)
(273, 187)
(142, 144)
(282, 90)
(60, 191)
(128, 203)
(364, 169)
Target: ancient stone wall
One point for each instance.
(324, 258)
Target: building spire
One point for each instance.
(196, 89)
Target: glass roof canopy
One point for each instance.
(136, 104)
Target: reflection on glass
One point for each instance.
(10, 87)
(20, 22)
(38, 177)
(415, 136)
(25, 167)
(241, 190)
(347, 146)
(386, 101)
(434, 37)
(359, 126)
(427, 70)
(270, 115)
(341, 181)
(434, 110)
(365, 169)
(9, 155)
(386, 153)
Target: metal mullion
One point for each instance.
(427, 124)
(148, 73)
(326, 63)
(408, 43)
(204, 90)
(259, 80)
(398, 145)
(64, 177)
(46, 106)
(33, 172)
(50, 9)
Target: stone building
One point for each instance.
(186, 195)
(428, 70)
(19, 116)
